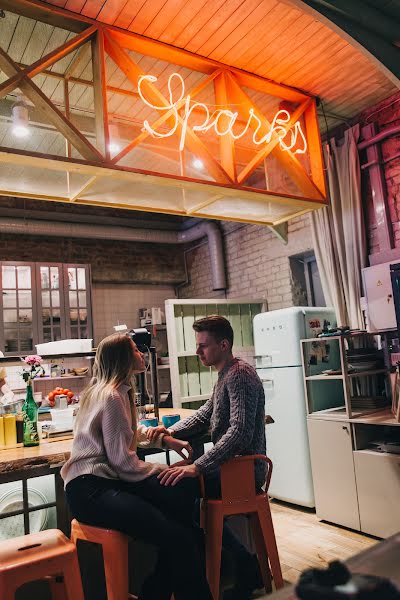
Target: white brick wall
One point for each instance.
(257, 263)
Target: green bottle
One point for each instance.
(30, 410)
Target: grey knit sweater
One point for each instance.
(236, 414)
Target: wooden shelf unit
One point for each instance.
(354, 485)
(365, 383)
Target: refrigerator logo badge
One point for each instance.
(314, 324)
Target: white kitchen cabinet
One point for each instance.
(379, 295)
(378, 485)
(333, 472)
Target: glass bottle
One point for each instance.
(19, 421)
(30, 410)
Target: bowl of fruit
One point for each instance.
(59, 391)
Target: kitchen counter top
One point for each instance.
(382, 559)
(47, 459)
(51, 452)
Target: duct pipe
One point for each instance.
(211, 230)
(127, 234)
(379, 137)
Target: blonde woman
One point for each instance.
(107, 485)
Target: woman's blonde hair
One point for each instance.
(113, 365)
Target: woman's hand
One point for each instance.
(179, 446)
(174, 474)
(152, 433)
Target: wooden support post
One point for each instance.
(314, 146)
(100, 95)
(281, 231)
(226, 142)
(45, 62)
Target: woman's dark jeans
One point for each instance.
(156, 514)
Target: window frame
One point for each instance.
(38, 328)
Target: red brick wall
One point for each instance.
(386, 114)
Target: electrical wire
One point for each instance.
(328, 148)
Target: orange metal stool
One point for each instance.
(115, 556)
(44, 555)
(238, 497)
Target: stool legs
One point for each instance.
(267, 528)
(115, 558)
(214, 527)
(262, 553)
(57, 588)
(73, 584)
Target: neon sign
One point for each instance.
(278, 126)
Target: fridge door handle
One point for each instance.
(268, 383)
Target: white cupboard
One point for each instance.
(378, 485)
(333, 472)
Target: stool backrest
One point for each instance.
(238, 478)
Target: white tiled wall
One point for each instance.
(112, 303)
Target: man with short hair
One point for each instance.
(236, 414)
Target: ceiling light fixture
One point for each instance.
(20, 118)
(114, 148)
(198, 164)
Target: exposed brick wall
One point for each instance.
(111, 261)
(257, 264)
(386, 114)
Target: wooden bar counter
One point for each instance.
(21, 464)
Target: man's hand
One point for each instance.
(179, 446)
(172, 475)
(152, 433)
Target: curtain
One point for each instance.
(339, 233)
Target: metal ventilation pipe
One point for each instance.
(215, 245)
(127, 234)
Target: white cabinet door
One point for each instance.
(379, 293)
(378, 485)
(333, 472)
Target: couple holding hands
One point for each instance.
(107, 485)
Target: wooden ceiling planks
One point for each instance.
(271, 38)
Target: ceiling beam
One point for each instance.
(49, 111)
(47, 13)
(35, 9)
(46, 61)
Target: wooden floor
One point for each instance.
(304, 541)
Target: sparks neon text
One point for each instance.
(278, 126)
